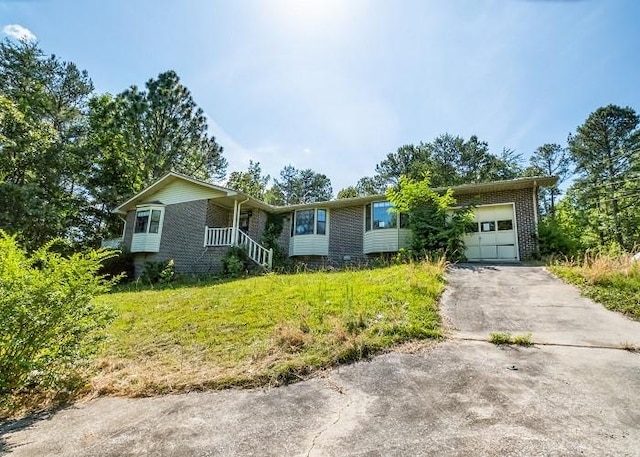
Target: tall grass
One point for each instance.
(613, 281)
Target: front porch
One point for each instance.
(233, 236)
(244, 223)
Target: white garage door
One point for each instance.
(492, 236)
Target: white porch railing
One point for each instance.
(223, 236)
(258, 253)
(218, 236)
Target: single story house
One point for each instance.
(194, 223)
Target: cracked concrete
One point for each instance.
(567, 397)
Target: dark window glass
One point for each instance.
(321, 228)
(304, 222)
(382, 216)
(142, 220)
(488, 226)
(471, 227)
(505, 225)
(404, 220)
(367, 218)
(154, 225)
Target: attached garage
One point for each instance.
(493, 234)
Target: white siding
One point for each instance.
(309, 245)
(386, 240)
(182, 191)
(146, 242)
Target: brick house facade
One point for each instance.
(182, 218)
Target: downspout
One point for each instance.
(124, 230)
(535, 216)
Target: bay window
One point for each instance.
(309, 222)
(380, 215)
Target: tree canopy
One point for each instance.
(300, 186)
(606, 153)
(251, 182)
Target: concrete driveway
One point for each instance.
(575, 395)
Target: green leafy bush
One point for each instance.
(235, 262)
(437, 227)
(554, 239)
(158, 272)
(120, 265)
(48, 322)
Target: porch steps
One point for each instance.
(224, 236)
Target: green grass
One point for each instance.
(505, 338)
(614, 282)
(263, 330)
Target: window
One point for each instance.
(321, 227)
(404, 220)
(148, 221)
(154, 225)
(507, 224)
(382, 217)
(310, 222)
(488, 226)
(142, 220)
(304, 222)
(471, 227)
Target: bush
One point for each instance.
(437, 226)
(553, 239)
(48, 323)
(235, 262)
(158, 272)
(120, 265)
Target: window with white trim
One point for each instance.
(309, 222)
(148, 220)
(380, 215)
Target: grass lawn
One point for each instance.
(614, 282)
(263, 330)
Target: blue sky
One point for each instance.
(335, 85)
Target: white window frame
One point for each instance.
(294, 222)
(151, 209)
(371, 225)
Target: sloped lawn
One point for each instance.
(614, 282)
(263, 330)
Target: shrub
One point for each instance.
(554, 239)
(120, 265)
(235, 262)
(437, 227)
(48, 322)
(158, 272)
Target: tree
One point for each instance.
(251, 182)
(436, 227)
(47, 97)
(550, 160)
(301, 186)
(450, 161)
(409, 160)
(139, 136)
(348, 192)
(606, 152)
(371, 185)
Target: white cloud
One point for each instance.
(18, 32)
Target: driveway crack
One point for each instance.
(333, 385)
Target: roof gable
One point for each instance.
(175, 188)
